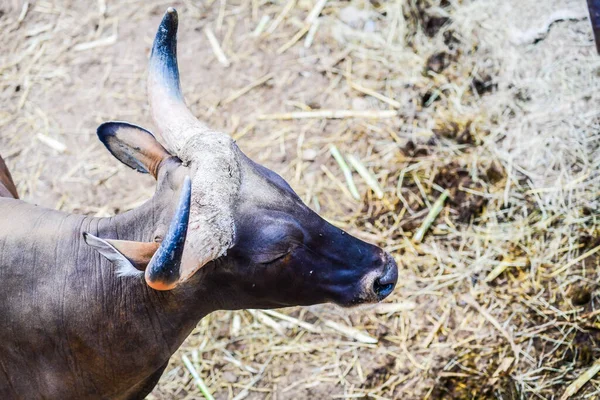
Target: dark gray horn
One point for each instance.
(175, 123)
(163, 271)
(212, 156)
(163, 59)
(594, 7)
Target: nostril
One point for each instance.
(381, 289)
(384, 285)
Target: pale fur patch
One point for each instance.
(129, 270)
(216, 178)
(367, 294)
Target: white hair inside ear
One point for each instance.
(124, 267)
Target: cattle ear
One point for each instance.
(130, 258)
(133, 146)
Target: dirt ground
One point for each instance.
(495, 103)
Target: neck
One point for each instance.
(83, 319)
(175, 312)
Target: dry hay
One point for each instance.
(495, 104)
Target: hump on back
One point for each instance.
(7, 186)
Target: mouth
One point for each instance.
(372, 289)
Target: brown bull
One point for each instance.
(95, 307)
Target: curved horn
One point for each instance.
(212, 157)
(174, 121)
(164, 270)
(594, 8)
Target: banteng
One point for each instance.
(95, 307)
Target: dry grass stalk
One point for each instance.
(315, 12)
(578, 383)
(431, 216)
(107, 41)
(268, 321)
(436, 328)
(216, 47)
(366, 175)
(345, 170)
(338, 183)
(303, 31)
(333, 114)
(239, 93)
(503, 265)
(52, 143)
(575, 261)
(197, 378)
(281, 16)
(379, 96)
(391, 308)
(502, 369)
(295, 321)
(260, 27)
(351, 332)
(310, 36)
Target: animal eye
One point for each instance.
(269, 258)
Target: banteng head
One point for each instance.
(235, 226)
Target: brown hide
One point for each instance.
(7, 186)
(69, 327)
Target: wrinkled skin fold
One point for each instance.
(95, 307)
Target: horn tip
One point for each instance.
(171, 18)
(163, 59)
(161, 285)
